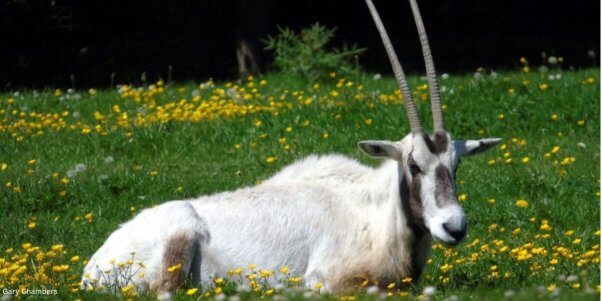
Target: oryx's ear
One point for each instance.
(473, 147)
(380, 149)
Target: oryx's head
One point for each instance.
(429, 162)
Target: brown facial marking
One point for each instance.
(444, 189)
(413, 211)
(176, 252)
(438, 144)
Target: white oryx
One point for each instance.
(328, 218)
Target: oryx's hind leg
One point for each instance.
(176, 264)
(161, 246)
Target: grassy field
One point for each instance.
(76, 164)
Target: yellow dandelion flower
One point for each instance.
(174, 268)
(192, 291)
(522, 204)
(270, 160)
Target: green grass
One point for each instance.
(224, 153)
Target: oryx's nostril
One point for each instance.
(456, 230)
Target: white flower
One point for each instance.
(444, 76)
(541, 289)
(232, 93)
(76, 115)
(220, 297)
(572, 278)
(372, 290)
(80, 167)
(109, 160)
(429, 291)
(509, 294)
(552, 60)
(377, 76)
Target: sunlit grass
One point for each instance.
(76, 164)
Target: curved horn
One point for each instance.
(397, 70)
(431, 75)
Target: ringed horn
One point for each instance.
(400, 76)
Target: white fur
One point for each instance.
(328, 218)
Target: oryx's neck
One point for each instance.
(401, 230)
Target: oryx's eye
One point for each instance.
(414, 169)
